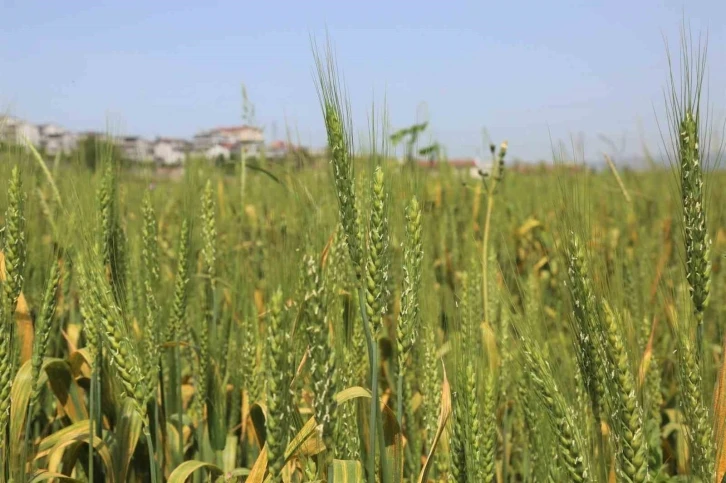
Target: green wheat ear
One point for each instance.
(322, 353)
(15, 259)
(15, 246)
(151, 277)
(112, 331)
(585, 317)
(111, 237)
(6, 374)
(340, 144)
(275, 389)
(571, 453)
(699, 430)
(408, 321)
(377, 259)
(697, 241)
(44, 328)
(628, 412)
(207, 329)
(181, 283)
(150, 243)
(686, 118)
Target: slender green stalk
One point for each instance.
(374, 408)
(496, 177)
(152, 464)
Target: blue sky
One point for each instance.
(529, 72)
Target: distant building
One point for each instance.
(169, 151)
(469, 166)
(55, 139)
(62, 143)
(136, 148)
(248, 137)
(17, 131)
(280, 149)
(50, 130)
(219, 151)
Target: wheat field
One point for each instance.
(366, 320)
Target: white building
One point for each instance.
(63, 143)
(249, 137)
(280, 149)
(51, 130)
(223, 151)
(17, 131)
(55, 139)
(136, 148)
(170, 152)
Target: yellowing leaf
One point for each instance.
(351, 393)
(19, 398)
(345, 471)
(43, 475)
(528, 226)
(70, 439)
(182, 472)
(24, 324)
(257, 473)
(81, 363)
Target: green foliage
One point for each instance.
(95, 149)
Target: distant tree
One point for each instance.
(409, 136)
(431, 152)
(93, 148)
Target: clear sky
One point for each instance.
(530, 72)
